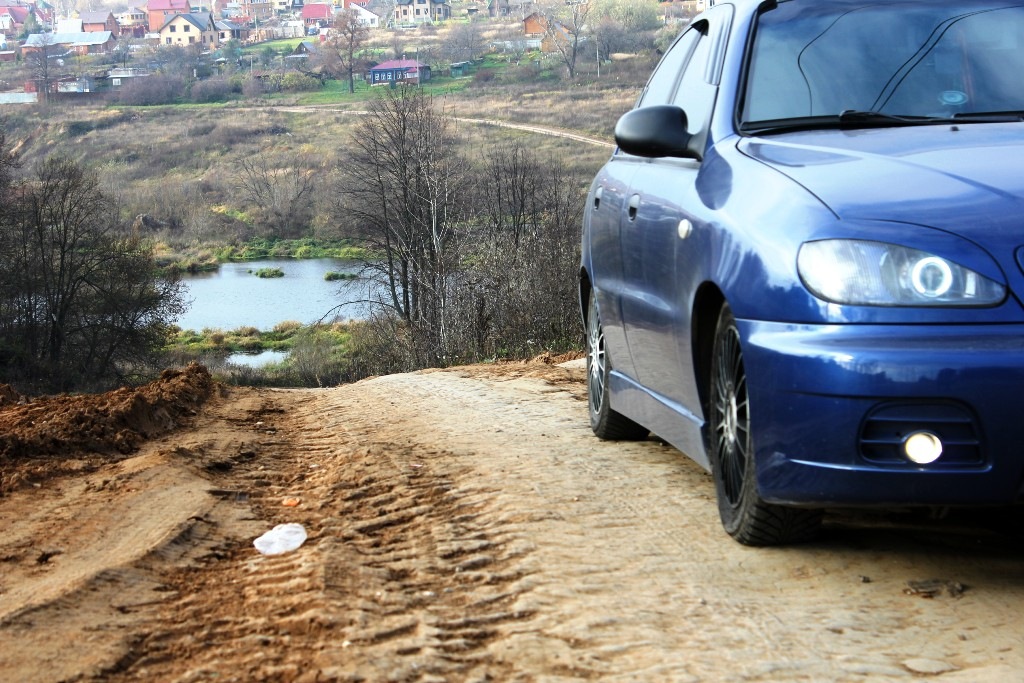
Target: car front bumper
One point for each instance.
(830, 405)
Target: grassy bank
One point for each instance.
(197, 259)
(318, 355)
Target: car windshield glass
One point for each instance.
(926, 59)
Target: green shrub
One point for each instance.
(297, 82)
(269, 272)
(151, 90)
(212, 90)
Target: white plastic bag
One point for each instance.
(281, 539)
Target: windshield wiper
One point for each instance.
(877, 118)
(852, 118)
(874, 117)
(989, 117)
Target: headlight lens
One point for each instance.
(866, 273)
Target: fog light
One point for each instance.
(922, 447)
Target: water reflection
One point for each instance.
(256, 360)
(234, 297)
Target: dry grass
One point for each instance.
(176, 163)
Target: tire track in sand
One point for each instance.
(465, 525)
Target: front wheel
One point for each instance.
(746, 517)
(606, 423)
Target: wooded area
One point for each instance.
(479, 254)
(81, 301)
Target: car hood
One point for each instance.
(967, 179)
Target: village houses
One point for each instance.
(189, 29)
(421, 11)
(160, 11)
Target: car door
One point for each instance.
(665, 225)
(607, 200)
(608, 211)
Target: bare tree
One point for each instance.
(386, 10)
(514, 43)
(8, 165)
(519, 296)
(465, 42)
(611, 37)
(80, 298)
(402, 191)
(338, 55)
(397, 44)
(565, 26)
(282, 188)
(41, 61)
(509, 193)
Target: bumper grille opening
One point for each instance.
(885, 428)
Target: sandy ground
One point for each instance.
(463, 525)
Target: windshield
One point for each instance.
(913, 59)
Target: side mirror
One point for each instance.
(658, 131)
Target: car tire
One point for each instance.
(745, 516)
(606, 423)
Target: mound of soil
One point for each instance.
(114, 422)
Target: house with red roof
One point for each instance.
(99, 21)
(399, 72)
(12, 19)
(317, 15)
(160, 11)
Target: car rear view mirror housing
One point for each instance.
(657, 131)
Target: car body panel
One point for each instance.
(815, 385)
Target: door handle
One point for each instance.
(634, 204)
(597, 198)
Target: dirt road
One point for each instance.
(541, 130)
(462, 525)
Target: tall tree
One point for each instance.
(338, 56)
(565, 26)
(31, 26)
(282, 186)
(465, 42)
(81, 301)
(41, 62)
(402, 190)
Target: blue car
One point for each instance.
(803, 265)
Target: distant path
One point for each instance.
(529, 128)
(540, 129)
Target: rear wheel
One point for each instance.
(606, 423)
(746, 517)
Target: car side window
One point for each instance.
(662, 84)
(692, 89)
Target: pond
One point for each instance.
(234, 297)
(256, 360)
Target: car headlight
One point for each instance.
(866, 273)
